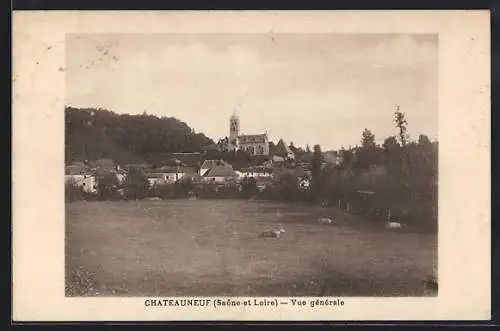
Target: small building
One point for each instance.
(157, 178)
(189, 159)
(209, 164)
(79, 176)
(333, 157)
(283, 150)
(220, 174)
(189, 172)
(168, 174)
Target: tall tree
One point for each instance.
(367, 139)
(401, 125)
(424, 141)
(368, 152)
(316, 162)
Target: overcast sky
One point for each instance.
(305, 88)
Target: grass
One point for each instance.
(212, 248)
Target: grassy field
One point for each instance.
(212, 247)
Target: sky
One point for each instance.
(305, 88)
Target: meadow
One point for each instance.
(212, 248)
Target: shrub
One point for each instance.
(249, 187)
(286, 188)
(136, 184)
(183, 188)
(73, 192)
(164, 191)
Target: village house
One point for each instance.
(191, 160)
(209, 164)
(80, 176)
(284, 151)
(220, 173)
(333, 157)
(157, 178)
(170, 174)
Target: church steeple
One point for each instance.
(235, 113)
(234, 130)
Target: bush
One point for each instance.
(73, 192)
(163, 191)
(218, 191)
(107, 186)
(286, 188)
(249, 187)
(136, 184)
(184, 188)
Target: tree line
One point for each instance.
(399, 175)
(92, 134)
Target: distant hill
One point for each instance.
(97, 133)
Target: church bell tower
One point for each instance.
(234, 131)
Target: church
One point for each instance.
(254, 144)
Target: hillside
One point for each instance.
(97, 133)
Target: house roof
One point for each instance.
(103, 171)
(212, 163)
(75, 170)
(256, 169)
(78, 163)
(306, 157)
(155, 175)
(174, 162)
(189, 170)
(189, 159)
(166, 169)
(212, 147)
(221, 171)
(102, 163)
(136, 166)
(282, 149)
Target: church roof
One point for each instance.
(252, 138)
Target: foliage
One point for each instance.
(238, 159)
(218, 191)
(184, 188)
(249, 187)
(136, 184)
(401, 124)
(316, 162)
(73, 192)
(286, 188)
(107, 186)
(97, 133)
(163, 191)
